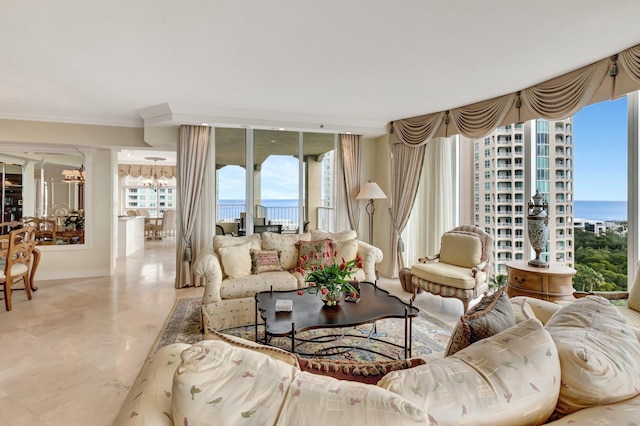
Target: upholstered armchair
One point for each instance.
(460, 269)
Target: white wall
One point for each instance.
(97, 256)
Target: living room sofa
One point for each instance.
(236, 268)
(581, 367)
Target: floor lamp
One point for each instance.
(371, 191)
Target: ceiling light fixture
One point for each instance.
(155, 183)
(74, 176)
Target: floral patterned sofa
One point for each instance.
(236, 268)
(581, 367)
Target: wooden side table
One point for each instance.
(553, 283)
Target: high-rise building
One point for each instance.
(537, 154)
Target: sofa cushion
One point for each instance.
(314, 253)
(251, 284)
(319, 234)
(217, 383)
(346, 249)
(314, 399)
(599, 354)
(462, 249)
(220, 241)
(236, 260)
(358, 371)
(265, 261)
(445, 274)
(489, 316)
(622, 413)
(511, 378)
(634, 294)
(285, 243)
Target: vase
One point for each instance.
(538, 229)
(332, 297)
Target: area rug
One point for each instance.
(429, 335)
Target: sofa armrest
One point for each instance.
(479, 267)
(208, 266)
(149, 400)
(370, 256)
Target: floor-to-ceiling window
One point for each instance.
(288, 179)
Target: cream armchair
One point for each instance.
(461, 268)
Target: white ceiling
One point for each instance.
(346, 65)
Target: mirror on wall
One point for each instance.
(51, 196)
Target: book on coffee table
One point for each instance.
(284, 305)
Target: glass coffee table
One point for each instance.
(309, 312)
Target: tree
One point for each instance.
(606, 256)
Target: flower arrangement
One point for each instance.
(329, 277)
(75, 220)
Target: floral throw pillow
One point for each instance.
(265, 261)
(314, 253)
(490, 316)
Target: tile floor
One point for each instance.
(70, 355)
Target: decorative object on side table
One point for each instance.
(538, 228)
(75, 220)
(328, 277)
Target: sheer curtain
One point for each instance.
(406, 167)
(193, 146)
(435, 209)
(350, 148)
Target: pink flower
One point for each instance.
(300, 292)
(324, 290)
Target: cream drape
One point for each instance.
(350, 148)
(406, 167)
(193, 145)
(435, 204)
(557, 98)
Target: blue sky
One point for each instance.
(279, 177)
(600, 152)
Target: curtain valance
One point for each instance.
(146, 171)
(554, 99)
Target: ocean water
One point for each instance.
(614, 211)
(278, 211)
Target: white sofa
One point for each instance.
(568, 371)
(228, 301)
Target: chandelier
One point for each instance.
(74, 176)
(155, 183)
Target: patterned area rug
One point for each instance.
(429, 335)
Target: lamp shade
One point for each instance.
(370, 191)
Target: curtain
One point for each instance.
(193, 145)
(406, 167)
(557, 98)
(350, 148)
(440, 191)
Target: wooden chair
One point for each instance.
(45, 229)
(18, 256)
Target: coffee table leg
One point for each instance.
(293, 337)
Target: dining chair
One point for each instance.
(17, 255)
(169, 223)
(45, 229)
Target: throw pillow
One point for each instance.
(285, 243)
(490, 316)
(236, 261)
(363, 372)
(310, 253)
(599, 354)
(265, 261)
(217, 383)
(347, 250)
(511, 378)
(462, 249)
